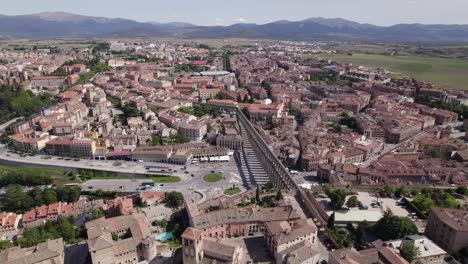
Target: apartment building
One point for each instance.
(233, 142)
(30, 142)
(48, 252)
(429, 252)
(67, 146)
(448, 228)
(195, 130)
(198, 248)
(281, 235)
(42, 214)
(207, 93)
(9, 223)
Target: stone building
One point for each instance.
(122, 239)
(448, 228)
(49, 252)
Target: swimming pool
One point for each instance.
(164, 236)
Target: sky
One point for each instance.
(222, 12)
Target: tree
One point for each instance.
(74, 194)
(337, 198)
(174, 199)
(96, 213)
(50, 196)
(348, 121)
(331, 221)
(389, 188)
(36, 194)
(180, 139)
(222, 129)
(4, 244)
(16, 200)
(409, 251)
(402, 190)
(279, 195)
(65, 227)
(130, 111)
(435, 153)
(257, 194)
(394, 227)
(462, 190)
(352, 202)
(327, 188)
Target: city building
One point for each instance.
(121, 239)
(48, 252)
(428, 250)
(385, 255)
(9, 223)
(197, 248)
(448, 228)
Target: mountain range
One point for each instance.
(65, 25)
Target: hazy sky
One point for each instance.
(219, 12)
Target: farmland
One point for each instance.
(446, 73)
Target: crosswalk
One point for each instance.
(251, 169)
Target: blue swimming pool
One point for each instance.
(164, 236)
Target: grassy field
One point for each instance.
(213, 177)
(165, 179)
(59, 176)
(232, 191)
(106, 175)
(446, 73)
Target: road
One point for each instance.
(188, 184)
(191, 186)
(6, 124)
(389, 148)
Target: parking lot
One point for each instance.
(371, 208)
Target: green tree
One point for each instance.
(337, 198)
(389, 188)
(352, 202)
(36, 194)
(130, 111)
(174, 199)
(96, 213)
(74, 194)
(348, 121)
(50, 196)
(331, 221)
(222, 129)
(462, 190)
(16, 200)
(257, 194)
(66, 229)
(409, 251)
(402, 190)
(435, 153)
(4, 244)
(180, 139)
(279, 195)
(394, 227)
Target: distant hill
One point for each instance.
(66, 25)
